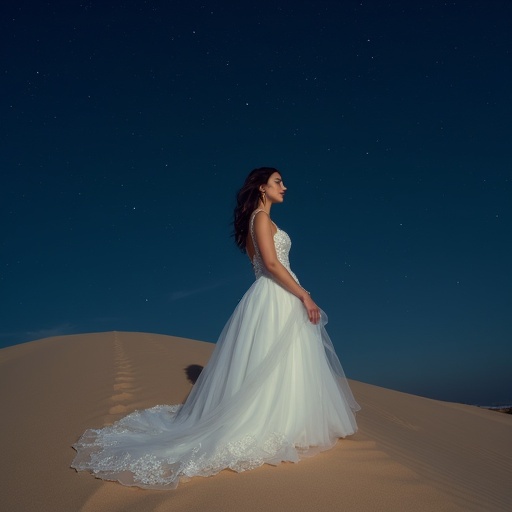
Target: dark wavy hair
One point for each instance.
(247, 201)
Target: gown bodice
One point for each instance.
(282, 243)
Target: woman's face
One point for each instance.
(274, 189)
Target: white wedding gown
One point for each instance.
(273, 391)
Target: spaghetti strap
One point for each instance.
(251, 227)
(255, 212)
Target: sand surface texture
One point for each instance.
(410, 454)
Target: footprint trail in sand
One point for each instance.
(124, 381)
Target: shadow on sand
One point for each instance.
(193, 371)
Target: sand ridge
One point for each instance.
(411, 453)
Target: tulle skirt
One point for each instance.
(273, 391)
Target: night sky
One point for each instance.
(127, 127)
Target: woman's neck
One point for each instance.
(264, 206)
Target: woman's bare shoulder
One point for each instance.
(263, 224)
(258, 218)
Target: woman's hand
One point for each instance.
(312, 309)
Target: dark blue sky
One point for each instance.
(127, 127)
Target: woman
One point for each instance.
(272, 391)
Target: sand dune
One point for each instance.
(411, 453)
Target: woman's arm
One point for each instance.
(265, 240)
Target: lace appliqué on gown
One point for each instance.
(282, 244)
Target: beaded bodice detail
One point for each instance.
(282, 244)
